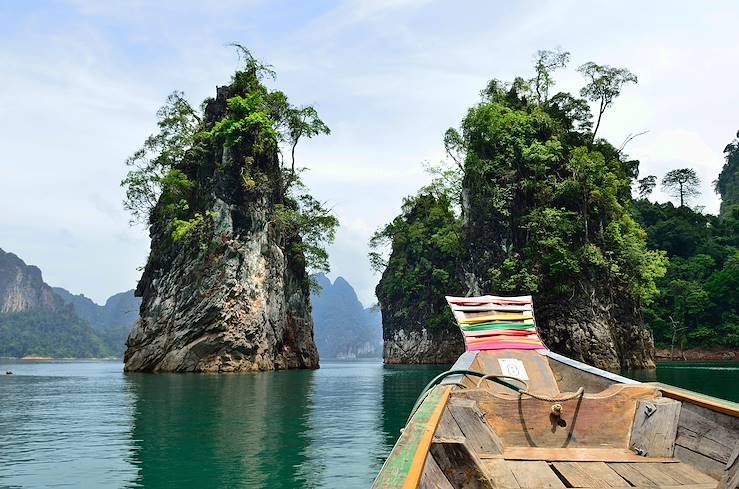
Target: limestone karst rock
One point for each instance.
(237, 300)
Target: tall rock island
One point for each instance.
(225, 287)
(533, 202)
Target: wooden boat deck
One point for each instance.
(529, 418)
(515, 474)
(466, 435)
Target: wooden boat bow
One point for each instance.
(565, 424)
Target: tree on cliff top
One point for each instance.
(605, 85)
(160, 187)
(682, 183)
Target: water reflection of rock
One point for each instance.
(221, 431)
(401, 386)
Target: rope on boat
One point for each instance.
(498, 379)
(526, 391)
(578, 393)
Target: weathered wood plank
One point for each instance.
(460, 465)
(447, 428)
(576, 476)
(730, 477)
(537, 368)
(681, 486)
(404, 465)
(577, 455)
(595, 420)
(695, 398)
(702, 463)
(653, 472)
(433, 477)
(632, 475)
(602, 472)
(655, 427)
(500, 474)
(530, 474)
(707, 432)
(688, 474)
(480, 437)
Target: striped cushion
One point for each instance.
(494, 323)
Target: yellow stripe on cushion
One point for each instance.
(489, 318)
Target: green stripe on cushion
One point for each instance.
(491, 326)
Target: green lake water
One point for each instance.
(87, 424)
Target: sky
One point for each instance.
(81, 80)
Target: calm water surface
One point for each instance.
(87, 424)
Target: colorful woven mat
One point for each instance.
(496, 323)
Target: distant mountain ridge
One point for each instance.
(39, 320)
(112, 321)
(22, 288)
(120, 309)
(344, 328)
(36, 321)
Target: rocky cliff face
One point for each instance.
(22, 288)
(596, 331)
(237, 300)
(410, 337)
(423, 267)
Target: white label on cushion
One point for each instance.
(513, 367)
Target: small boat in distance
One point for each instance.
(512, 414)
(29, 357)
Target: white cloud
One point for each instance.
(82, 80)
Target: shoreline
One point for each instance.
(698, 355)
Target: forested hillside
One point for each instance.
(697, 304)
(112, 321)
(35, 321)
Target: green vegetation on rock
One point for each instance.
(727, 183)
(546, 209)
(165, 185)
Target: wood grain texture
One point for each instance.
(697, 399)
(569, 379)
(534, 475)
(685, 474)
(405, 464)
(602, 472)
(480, 437)
(707, 432)
(447, 429)
(700, 462)
(655, 427)
(577, 476)
(654, 473)
(730, 477)
(500, 474)
(633, 476)
(460, 465)
(433, 477)
(578, 455)
(541, 378)
(594, 420)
